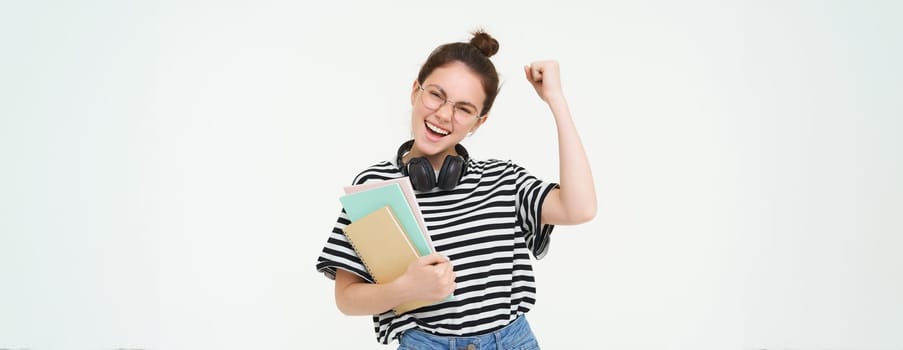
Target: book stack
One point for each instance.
(387, 230)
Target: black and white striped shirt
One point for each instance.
(487, 226)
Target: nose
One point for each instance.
(446, 115)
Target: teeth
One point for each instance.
(436, 129)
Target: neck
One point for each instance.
(436, 160)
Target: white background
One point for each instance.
(171, 170)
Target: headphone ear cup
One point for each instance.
(451, 171)
(421, 174)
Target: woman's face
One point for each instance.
(438, 130)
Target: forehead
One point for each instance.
(459, 82)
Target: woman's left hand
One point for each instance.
(545, 78)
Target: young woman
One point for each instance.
(485, 217)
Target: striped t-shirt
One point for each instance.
(487, 227)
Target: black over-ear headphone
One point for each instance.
(421, 173)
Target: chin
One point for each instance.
(429, 147)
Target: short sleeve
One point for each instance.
(339, 254)
(531, 193)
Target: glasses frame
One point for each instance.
(446, 101)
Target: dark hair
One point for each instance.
(475, 55)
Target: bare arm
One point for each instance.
(430, 278)
(575, 201)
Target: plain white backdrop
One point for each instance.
(171, 169)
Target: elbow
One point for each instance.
(342, 308)
(346, 309)
(349, 308)
(573, 208)
(571, 216)
(585, 215)
(343, 304)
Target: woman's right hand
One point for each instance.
(429, 278)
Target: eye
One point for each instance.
(466, 109)
(436, 93)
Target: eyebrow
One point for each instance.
(446, 96)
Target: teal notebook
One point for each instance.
(359, 204)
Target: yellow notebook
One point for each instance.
(381, 243)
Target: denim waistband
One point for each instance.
(516, 335)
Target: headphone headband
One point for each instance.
(407, 145)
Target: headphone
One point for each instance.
(421, 173)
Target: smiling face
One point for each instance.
(437, 131)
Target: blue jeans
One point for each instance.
(515, 336)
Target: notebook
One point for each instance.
(361, 203)
(408, 190)
(384, 248)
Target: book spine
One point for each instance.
(358, 252)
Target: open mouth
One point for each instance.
(436, 130)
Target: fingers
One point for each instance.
(533, 72)
(443, 269)
(432, 259)
(545, 78)
(439, 264)
(446, 274)
(432, 277)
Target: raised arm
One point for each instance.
(575, 201)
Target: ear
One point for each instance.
(414, 90)
(479, 123)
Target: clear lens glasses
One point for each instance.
(434, 98)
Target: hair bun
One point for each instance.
(485, 43)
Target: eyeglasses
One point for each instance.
(433, 98)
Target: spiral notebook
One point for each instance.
(384, 248)
(405, 184)
(360, 203)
